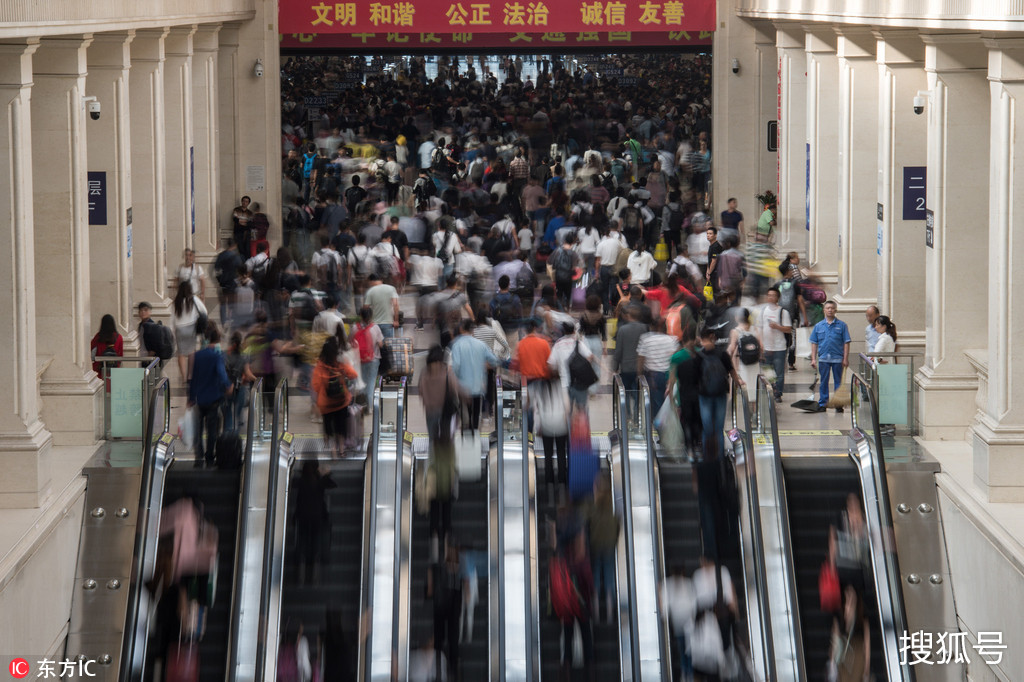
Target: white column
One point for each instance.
(230, 139)
(823, 150)
(791, 219)
(956, 310)
(149, 242)
(71, 390)
(178, 162)
(902, 143)
(858, 174)
(999, 426)
(742, 166)
(24, 441)
(109, 63)
(206, 135)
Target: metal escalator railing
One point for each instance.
(646, 597)
(274, 537)
(752, 549)
(158, 455)
(783, 622)
(628, 649)
(867, 453)
(531, 551)
(496, 579)
(384, 648)
(241, 634)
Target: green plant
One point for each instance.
(767, 198)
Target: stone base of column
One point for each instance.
(25, 461)
(946, 404)
(997, 455)
(73, 409)
(852, 304)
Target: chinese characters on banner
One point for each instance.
(319, 41)
(495, 16)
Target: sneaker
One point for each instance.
(778, 398)
(792, 368)
(821, 408)
(839, 410)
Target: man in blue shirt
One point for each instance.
(470, 359)
(870, 335)
(830, 351)
(206, 391)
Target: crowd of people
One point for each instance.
(557, 228)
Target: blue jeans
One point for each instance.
(837, 375)
(604, 574)
(777, 359)
(712, 417)
(234, 405)
(657, 381)
(388, 330)
(369, 371)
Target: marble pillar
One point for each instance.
(957, 285)
(858, 175)
(791, 219)
(206, 134)
(146, 106)
(110, 142)
(822, 152)
(71, 391)
(902, 144)
(24, 440)
(179, 162)
(999, 427)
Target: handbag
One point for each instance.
(187, 428)
(467, 455)
(581, 371)
(550, 411)
(670, 430)
(828, 588)
(709, 292)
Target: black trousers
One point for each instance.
(561, 443)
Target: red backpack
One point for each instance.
(365, 343)
(566, 601)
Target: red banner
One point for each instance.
(494, 16)
(461, 41)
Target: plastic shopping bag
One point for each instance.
(187, 428)
(670, 430)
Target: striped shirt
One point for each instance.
(657, 350)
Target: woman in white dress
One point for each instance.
(185, 314)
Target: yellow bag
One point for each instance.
(709, 292)
(611, 325)
(661, 251)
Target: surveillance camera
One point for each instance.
(94, 110)
(919, 105)
(258, 69)
(735, 66)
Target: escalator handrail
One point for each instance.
(875, 481)
(620, 418)
(530, 580)
(403, 503)
(765, 389)
(656, 527)
(369, 537)
(279, 425)
(740, 404)
(157, 456)
(499, 487)
(253, 419)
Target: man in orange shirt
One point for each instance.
(532, 360)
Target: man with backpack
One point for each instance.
(309, 158)
(328, 267)
(353, 195)
(563, 263)
(157, 339)
(713, 387)
(672, 220)
(225, 269)
(506, 307)
(424, 187)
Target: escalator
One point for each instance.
(811, 489)
(223, 497)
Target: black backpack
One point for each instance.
(562, 264)
(632, 220)
(259, 273)
(503, 308)
(163, 340)
(581, 372)
(714, 380)
(676, 218)
(750, 349)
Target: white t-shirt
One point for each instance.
(526, 239)
(608, 250)
(562, 351)
(194, 274)
(705, 587)
(773, 339)
(588, 240)
(426, 270)
(641, 264)
(697, 245)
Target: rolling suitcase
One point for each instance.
(228, 451)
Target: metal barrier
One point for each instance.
(893, 388)
(151, 375)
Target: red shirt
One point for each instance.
(532, 353)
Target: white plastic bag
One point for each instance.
(803, 342)
(187, 428)
(669, 428)
(467, 455)
(707, 651)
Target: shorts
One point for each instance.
(334, 423)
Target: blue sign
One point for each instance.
(914, 192)
(97, 197)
